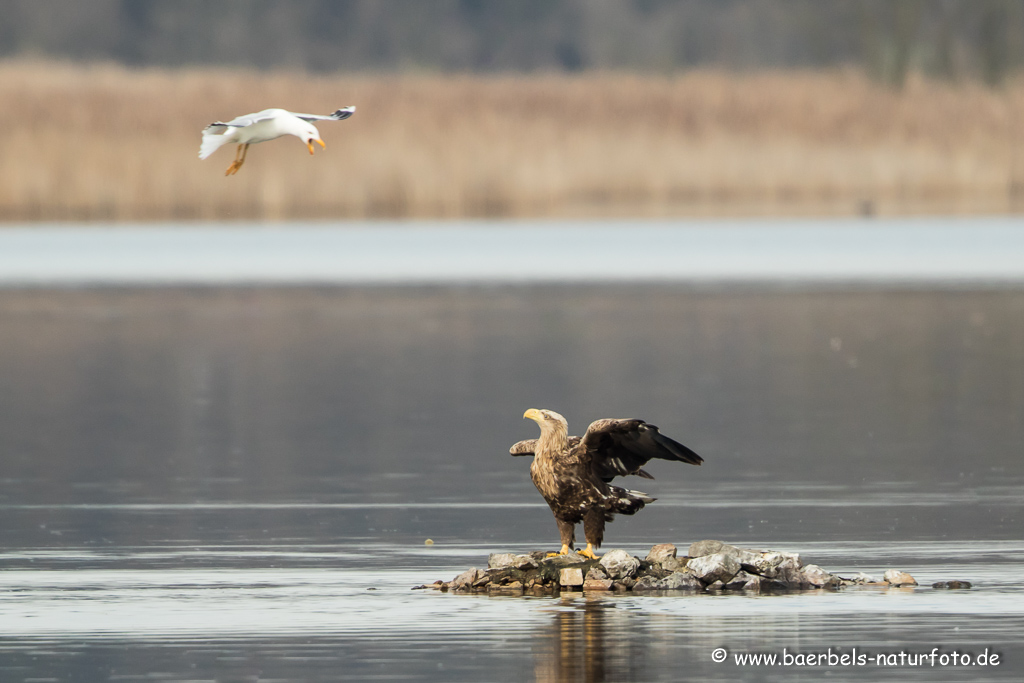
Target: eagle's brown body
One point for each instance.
(574, 474)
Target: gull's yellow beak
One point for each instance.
(310, 145)
(532, 413)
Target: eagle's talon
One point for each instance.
(588, 552)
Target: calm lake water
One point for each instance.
(208, 479)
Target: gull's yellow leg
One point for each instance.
(239, 159)
(234, 164)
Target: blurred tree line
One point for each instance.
(888, 38)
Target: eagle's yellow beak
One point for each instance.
(310, 145)
(533, 414)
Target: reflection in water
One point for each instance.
(581, 645)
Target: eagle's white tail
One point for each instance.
(213, 139)
(627, 501)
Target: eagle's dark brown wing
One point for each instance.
(528, 446)
(621, 447)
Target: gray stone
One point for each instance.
(743, 581)
(510, 561)
(565, 560)
(570, 576)
(676, 581)
(465, 580)
(618, 564)
(729, 568)
(755, 583)
(680, 581)
(747, 558)
(524, 562)
(774, 564)
(645, 583)
(548, 570)
(513, 588)
(764, 585)
(673, 564)
(658, 571)
(707, 547)
(711, 547)
(816, 576)
(894, 577)
(790, 577)
(500, 560)
(661, 553)
(715, 567)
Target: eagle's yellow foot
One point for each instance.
(563, 551)
(588, 552)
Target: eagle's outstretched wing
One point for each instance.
(621, 447)
(528, 446)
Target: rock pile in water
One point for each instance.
(708, 566)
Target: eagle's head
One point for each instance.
(554, 432)
(550, 422)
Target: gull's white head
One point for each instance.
(312, 135)
(305, 131)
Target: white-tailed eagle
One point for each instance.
(574, 473)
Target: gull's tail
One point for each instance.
(213, 139)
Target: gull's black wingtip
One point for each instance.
(343, 114)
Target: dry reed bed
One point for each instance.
(103, 142)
